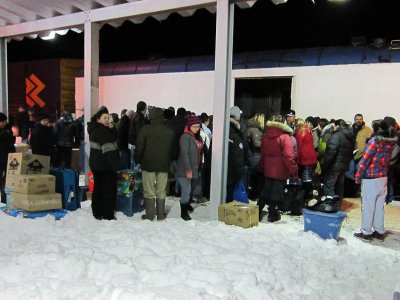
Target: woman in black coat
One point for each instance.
(104, 162)
(7, 141)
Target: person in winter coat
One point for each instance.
(155, 162)
(255, 131)
(104, 162)
(278, 163)
(236, 156)
(123, 133)
(67, 135)
(22, 122)
(338, 154)
(43, 138)
(7, 141)
(136, 123)
(372, 174)
(306, 155)
(188, 166)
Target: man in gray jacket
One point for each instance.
(154, 152)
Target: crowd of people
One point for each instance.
(319, 153)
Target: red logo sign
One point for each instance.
(33, 87)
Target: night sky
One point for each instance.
(296, 24)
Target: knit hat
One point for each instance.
(236, 112)
(3, 117)
(191, 120)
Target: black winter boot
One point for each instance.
(184, 212)
(149, 206)
(160, 204)
(189, 207)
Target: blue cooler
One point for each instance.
(326, 225)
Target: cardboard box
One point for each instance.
(243, 215)
(26, 163)
(21, 148)
(32, 184)
(36, 202)
(222, 210)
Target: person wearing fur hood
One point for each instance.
(278, 164)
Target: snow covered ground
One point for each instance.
(79, 257)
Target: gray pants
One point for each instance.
(373, 195)
(333, 184)
(190, 187)
(155, 184)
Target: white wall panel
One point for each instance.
(326, 91)
(194, 91)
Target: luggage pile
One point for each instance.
(31, 187)
(130, 192)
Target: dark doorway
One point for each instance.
(271, 96)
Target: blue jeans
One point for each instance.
(307, 173)
(189, 187)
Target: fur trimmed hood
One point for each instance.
(285, 128)
(276, 129)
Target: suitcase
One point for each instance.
(293, 198)
(130, 204)
(67, 185)
(129, 181)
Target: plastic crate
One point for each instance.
(326, 225)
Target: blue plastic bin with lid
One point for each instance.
(326, 225)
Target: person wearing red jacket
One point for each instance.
(306, 155)
(277, 161)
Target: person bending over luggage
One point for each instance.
(278, 163)
(104, 161)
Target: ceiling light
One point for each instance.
(50, 36)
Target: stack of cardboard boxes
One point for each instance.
(31, 186)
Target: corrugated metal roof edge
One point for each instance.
(254, 60)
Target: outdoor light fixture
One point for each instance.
(49, 36)
(52, 34)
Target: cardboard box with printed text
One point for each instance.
(26, 163)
